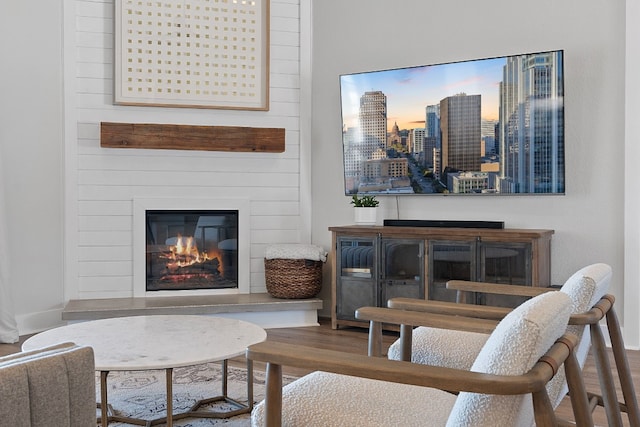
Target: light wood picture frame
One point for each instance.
(192, 53)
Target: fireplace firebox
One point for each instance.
(191, 249)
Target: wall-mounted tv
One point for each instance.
(492, 126)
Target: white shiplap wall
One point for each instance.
(101, 183)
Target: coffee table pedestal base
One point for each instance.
(109, 415)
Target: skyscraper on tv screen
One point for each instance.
(461, 132)
(373, 123)
(532, 124)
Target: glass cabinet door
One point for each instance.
(357, 279)
(402, 269)
(450, 260)
(507, 263)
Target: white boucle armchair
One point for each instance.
(587, 289)
(505, 387)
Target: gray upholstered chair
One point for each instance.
(587, 289)
(49, 387)
(508, 374)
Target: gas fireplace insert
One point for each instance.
(191, 249)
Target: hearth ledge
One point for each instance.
(258, 308)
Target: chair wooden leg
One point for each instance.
(622, 366)
(543, 410)
(273, 397)
(406, 342)
(605, 377)
(375, 339)
(582, 411)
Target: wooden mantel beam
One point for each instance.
(188, 137)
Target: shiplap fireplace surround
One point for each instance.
(256, 155)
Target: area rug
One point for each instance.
(142, 394)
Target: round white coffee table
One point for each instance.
(160, 342)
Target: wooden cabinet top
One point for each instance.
(444, 232)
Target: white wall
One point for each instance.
(31, 126)
(361, 35)
(631, 297)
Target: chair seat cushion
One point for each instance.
(324, 399)
(442, 347)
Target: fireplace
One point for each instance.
(190, 247)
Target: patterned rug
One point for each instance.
(142, 394)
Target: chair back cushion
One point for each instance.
(517, 343)
(49, 386)
(585, 288)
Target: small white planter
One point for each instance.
(365, 216)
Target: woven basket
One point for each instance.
(293, 278)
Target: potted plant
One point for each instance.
(365, 209)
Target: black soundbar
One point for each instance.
(442, 223)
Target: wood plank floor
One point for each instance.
(355, 340)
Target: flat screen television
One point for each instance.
(492, 126)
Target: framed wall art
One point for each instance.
(192, 53)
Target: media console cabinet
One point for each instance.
(371, 264)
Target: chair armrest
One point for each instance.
(596, 314)
(24, 356)
(408, 319)
(450, 379)
(497, 288)
(450, 308)
(593, 316)
(416, 318)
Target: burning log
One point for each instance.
(160, 267)
(183, 266)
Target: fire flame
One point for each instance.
(185, 253)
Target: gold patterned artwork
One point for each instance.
(192, 53)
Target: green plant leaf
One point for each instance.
(366, 201)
